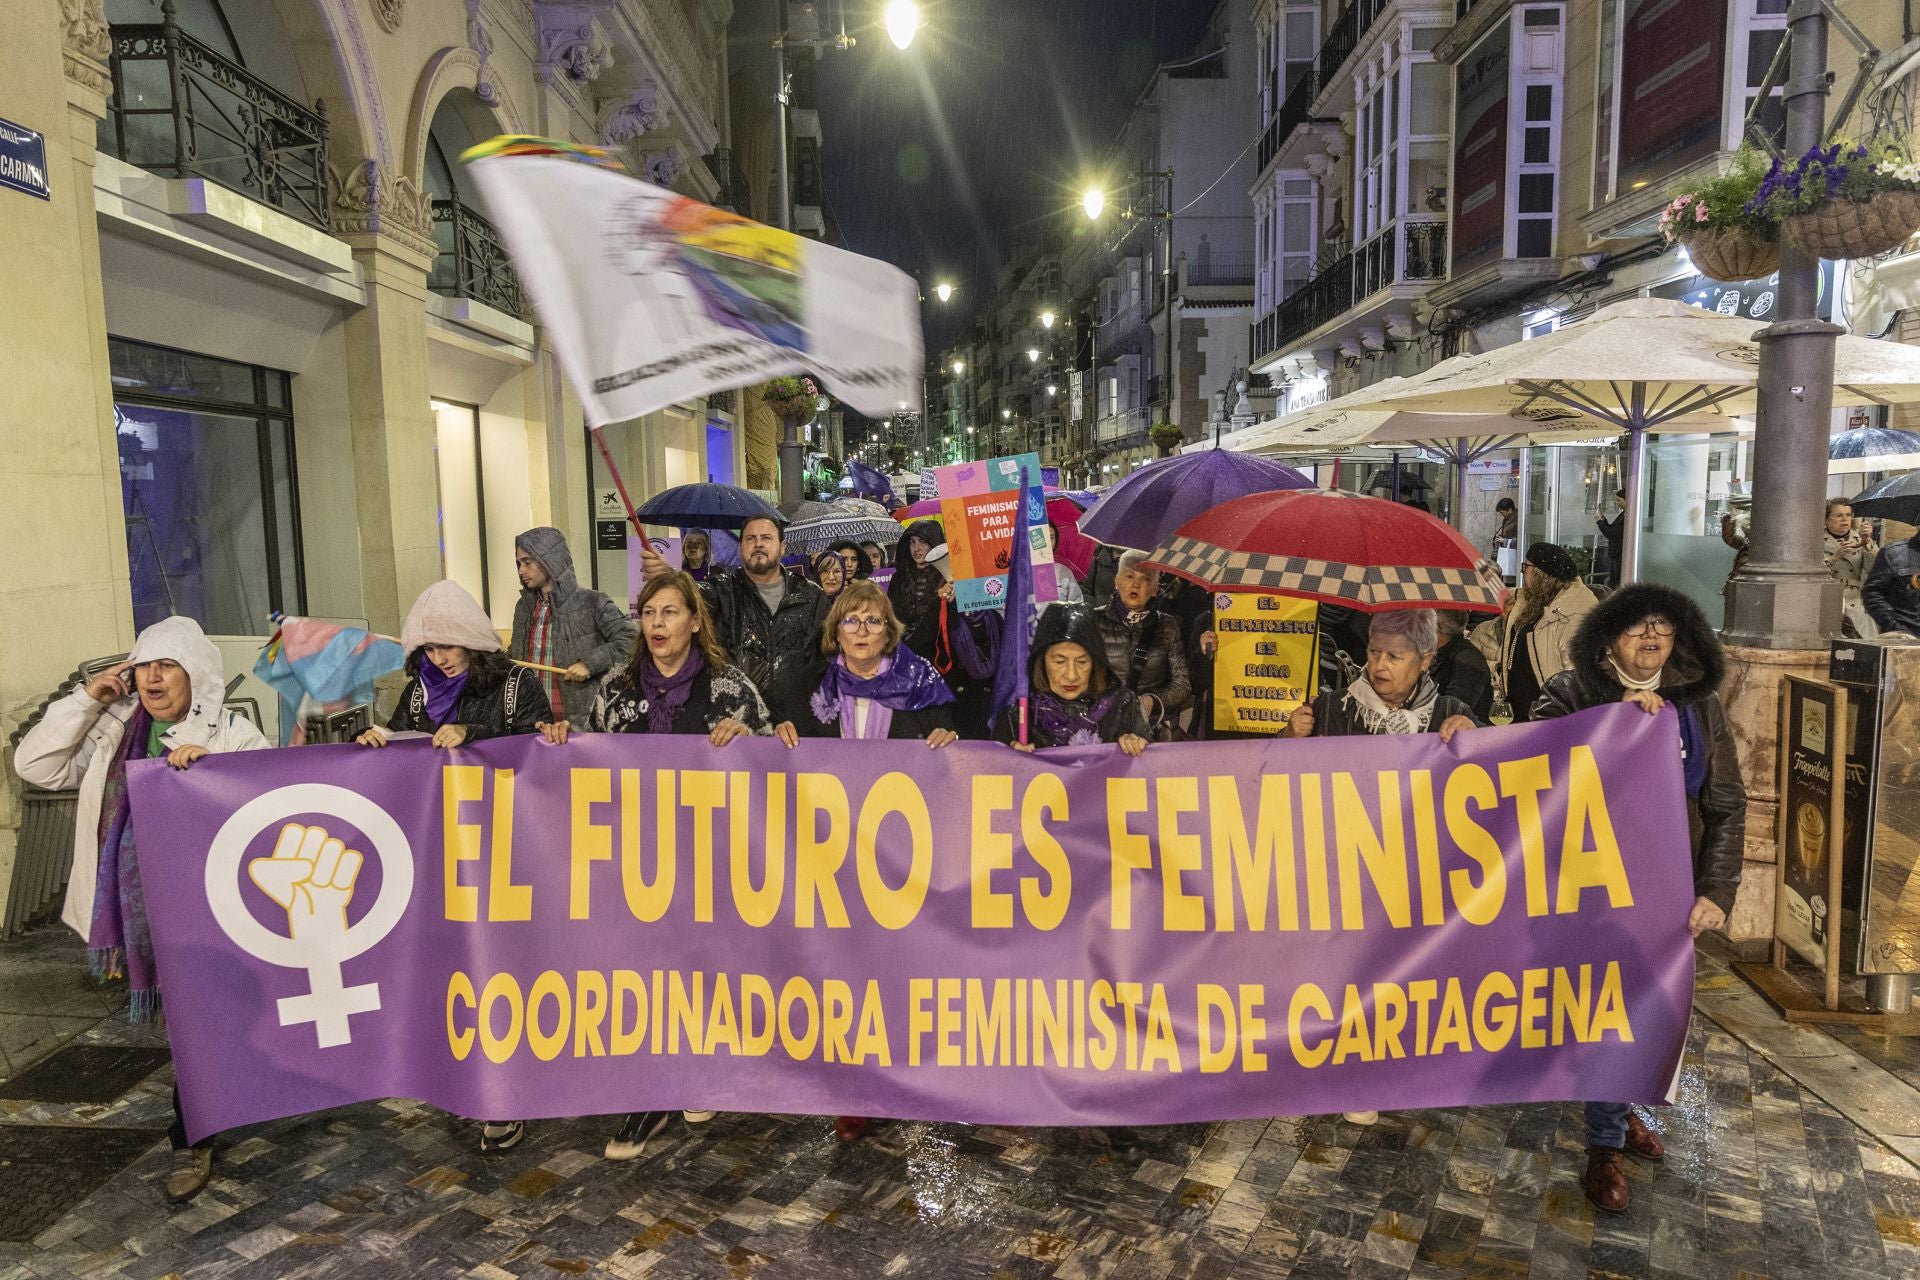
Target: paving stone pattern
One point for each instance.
(1762, 1179)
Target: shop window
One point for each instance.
(209, 488)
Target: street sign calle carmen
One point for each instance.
(23, 160)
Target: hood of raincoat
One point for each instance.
(445, 614)
(181, 640)
(1071, 624)
(549, 547)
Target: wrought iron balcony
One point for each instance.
(1344, 38)
(1222, 270)
(181, 109)
(472, 261)
(1407, 252)
(1293, 113)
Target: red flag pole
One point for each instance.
(607, 457)
(1023, 722)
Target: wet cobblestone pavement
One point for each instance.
(1761, 1179)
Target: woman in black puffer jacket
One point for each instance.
(1651, 645)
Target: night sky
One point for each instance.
(991, 121)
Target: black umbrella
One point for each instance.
(1897, 498)
(706, 506)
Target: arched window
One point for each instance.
(472, 262)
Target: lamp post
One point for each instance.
(1159, 205)
(1784, 598)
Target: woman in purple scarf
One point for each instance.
(676, 681)
(870, 687)
(462, 688)
(1076, 699)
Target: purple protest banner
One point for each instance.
(972, 934)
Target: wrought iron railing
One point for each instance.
(1293, 113)
(181, 109)
(472, 262)
(1345, 35)
(1409, 250)
(1222, 269)
(1124, 427)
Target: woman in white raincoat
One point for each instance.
(166, 700)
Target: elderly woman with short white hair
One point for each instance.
(1395, 694)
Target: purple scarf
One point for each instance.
(665, 695)
(1070, 724)
(119, 940)
(905, 682)
(443, 690)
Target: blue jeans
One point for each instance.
(1607, 1124)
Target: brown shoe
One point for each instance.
(1606, 1182)
(1642, 1141)
(851, 1128)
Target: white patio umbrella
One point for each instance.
(1643, 365)
(1358, 425)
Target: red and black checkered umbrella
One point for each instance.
(1320, 544)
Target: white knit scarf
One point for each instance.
(1643, 686)
(1378, 717)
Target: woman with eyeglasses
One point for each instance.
(676, 680)
(1651, 646)
(867, 686)
(829, 572)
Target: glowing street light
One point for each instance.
(1046, 319)
(959, 367)
(1093, 202)
(1052, 389)
(943, 291)
(1006, 413)
(1033, 355)
(902, 21)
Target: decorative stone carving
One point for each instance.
(634, 116)
(387, 13)
(482, 45)
(570, 47)
(663, 168)
(87, 43)
(1373, 338)
(366, 201)
(1399, 326)
(1351, 349)
(1326, 358)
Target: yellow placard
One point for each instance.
(1266, 661)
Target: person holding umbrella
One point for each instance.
(676, 680)
(1891, 593)
(1651, 646)
(763, 614)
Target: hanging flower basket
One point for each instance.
(1733, 253)
(1857, 228)
(1844, 200)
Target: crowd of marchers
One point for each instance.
(813, 647)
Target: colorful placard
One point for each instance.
(1266, 657)
(980, 508)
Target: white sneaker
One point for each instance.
(498, 1135)
(637, 1128)
(1361, 1117)
(696, 1117)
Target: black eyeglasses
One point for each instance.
(1654, 626)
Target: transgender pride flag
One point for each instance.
(332, 665)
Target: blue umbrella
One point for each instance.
(1895, 498)
(1144, 509)
(705, 506)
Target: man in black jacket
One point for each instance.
(1891, 592)
(764, 615)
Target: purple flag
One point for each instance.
(868, 483)
(1211, 930)
(1011, 676)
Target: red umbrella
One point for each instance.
(1320, 544)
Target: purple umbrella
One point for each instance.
(1144, 509)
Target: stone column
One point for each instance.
(386, 221)
(64, 597)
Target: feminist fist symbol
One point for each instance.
(311, 874)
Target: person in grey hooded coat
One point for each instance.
(559, 623)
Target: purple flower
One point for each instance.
(825, 709)
(1083, 738)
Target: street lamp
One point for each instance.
(959, 367)
(943, 291)
(1046, 319)
(1033, 355)
(1093, 202)
(903, 22)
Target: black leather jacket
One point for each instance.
(756, 640)
(1150, 658)
(1889, 594)
(1717, 817)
